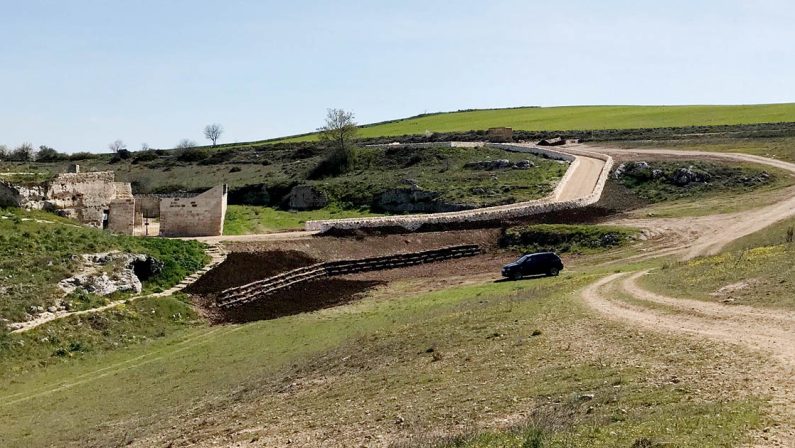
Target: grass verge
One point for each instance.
(249, 219)
(402, 367)
(39, 249)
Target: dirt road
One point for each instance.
(583, 180)
(769, 332)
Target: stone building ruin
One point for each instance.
(97, 200)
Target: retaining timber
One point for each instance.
(260, 289)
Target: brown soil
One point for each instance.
(342, 248)
(241, 268)
(306, 297)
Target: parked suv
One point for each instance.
(542, 263)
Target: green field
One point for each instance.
(580, 117)
(249, 219)
(483, 350)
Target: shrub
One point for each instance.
(145, 156)
(47, 154)
(192, 155)
(564, 238)
(83, 156)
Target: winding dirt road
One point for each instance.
(769, 332)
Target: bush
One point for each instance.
(218, 157)
(47, 154)
(145, 156)
(564, 238)
(190, 155)
(83, 156)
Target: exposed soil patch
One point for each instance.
(361, 246)
(241, 268)
(305, 297)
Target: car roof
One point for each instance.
(540, 253)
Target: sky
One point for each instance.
(79, 74)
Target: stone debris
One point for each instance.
(499, 164)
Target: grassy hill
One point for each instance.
(579, 117)
(38, 249)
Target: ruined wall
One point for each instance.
(29, 197)
(121, 218)
(81, 196)
(201, 215)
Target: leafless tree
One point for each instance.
(186, 143)
(3, 152)
(144, 146)
(117, 146)
(213, 132)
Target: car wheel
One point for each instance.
(553, 272)
(516, 276)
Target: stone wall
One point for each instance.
(121, 217)
(503, 212)
(201, 215)
(81, 196)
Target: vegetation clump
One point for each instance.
(562, 238)
(663, 181)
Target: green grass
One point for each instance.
(762, 276)
(38, 249)
(442, 170)
(580, 117)
(498, 349)
(249, 219)
(782, 148)
(86, 336)
(565, 238)
(724, 193)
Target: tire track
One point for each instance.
(123, 365)
(769, 332)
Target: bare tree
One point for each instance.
(186, 143)
(117, 146)
(213, 132)
(339, 131)
(3, 152)
(144, 146)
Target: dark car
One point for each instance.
(542, 263)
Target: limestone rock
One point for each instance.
(499, 164)
(305, 197)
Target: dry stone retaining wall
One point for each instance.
(256, 290)
(503, 212)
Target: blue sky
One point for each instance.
(79, 74)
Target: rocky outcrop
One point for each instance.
(499, 164)
(305, 197)
(413, 199)
(680, 177)
(106, 273)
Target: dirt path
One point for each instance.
(217, 255)
(769, 332)
(707, 235)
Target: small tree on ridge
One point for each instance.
(213, 132)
